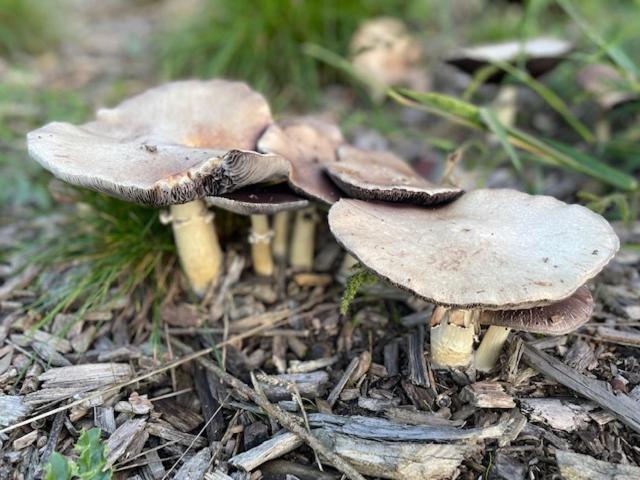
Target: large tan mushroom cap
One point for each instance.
(379, 175)
(558, 318)
(171, 144)
(309, 145)
(490, 249)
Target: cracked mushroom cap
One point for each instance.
(557, 318)
(382, 176)
(541, 56)
(490, 249)
(171, 144)
(259, 200)
(309, 145)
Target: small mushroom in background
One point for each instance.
(258, 202)
(609, 89)
(382, 176)
(169, 146)
(481, 256)
(539, 56)
(309, 144)
(384, 51)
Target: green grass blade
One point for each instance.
(549, 96)
(493, 123)
(618, 56)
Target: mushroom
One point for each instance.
(258, 202)
(309, 145)
(540, 56)
(487, 252)
(381, 175)
(169, 146)
(609, 89)
(384, 50)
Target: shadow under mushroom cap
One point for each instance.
(558, 318)
(490, 249)
(171, 144)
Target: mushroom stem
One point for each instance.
(197, 243)
(348, 262)
(280, 234)
(490, 347)
(302, 243)
(260, 240)
(452, 333)
(506, 105)
(603, 130)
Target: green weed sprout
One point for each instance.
(91, 463)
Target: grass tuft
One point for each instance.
(26, 26)
(260, 41)
(105, 250)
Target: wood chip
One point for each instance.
(380, 429)
(621, 337)
(195, 467)
(623, 407)
(310, 385)
(120, 440)
(559, 414)
(183, 419)
(415, 357)
(12, 409)
(398, 460)
(487, 395)
(272, 448)
(574, 466)
(25, 440)
(86, 376)
(165, 431)
(346, 375)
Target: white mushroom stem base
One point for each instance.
(452, 334)
(490, 347)
(197, 243)
(260, 240)
(303, 241)
(280, 234)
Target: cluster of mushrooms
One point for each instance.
(492, 257)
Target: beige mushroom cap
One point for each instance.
(171, 144)
(309, 145)
(382, 176)
(384, 50)
(490, 249)
(558, 318)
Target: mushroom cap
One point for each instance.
(309, 145)
(557, 318)
(171, 144)
(259, 200)
(490, 249)
(606, 84)
(541, 56)
(382, 176)
(384, 50)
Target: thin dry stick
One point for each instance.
(285, 419)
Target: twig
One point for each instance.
(285, 419)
